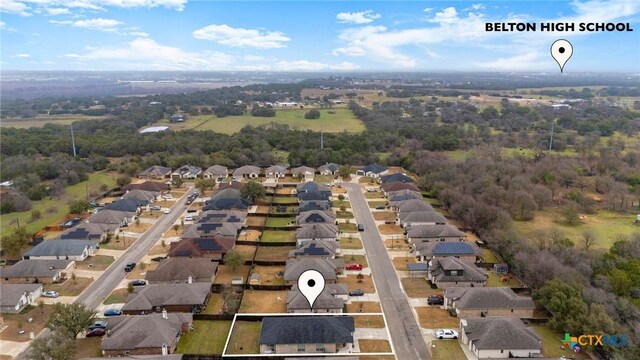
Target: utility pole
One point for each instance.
(321, 135)
(551, 138)
(73, 141)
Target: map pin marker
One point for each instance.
(311, 284)
(561, 51)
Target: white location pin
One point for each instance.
(311, 284)
(561, 51)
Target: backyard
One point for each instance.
(280, 222)
(225, 273)
(244, 338)
(273, 253)
(270, 275)
(207, 337)
(259, 301)
(278, 236)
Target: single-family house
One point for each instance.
(313, 196)
(275, 172)
(412, 205)
(373, 170)
(306, 334)
(319, 231)
(76, 250)
(313, 187)
(226, 199)
(230, 216)
(331, 300)
(488, 301)
(237, 185)
(145, 335)
(210, 230)
(213, 248)
(425, 217)
(396, 186)
(397, 197)
(183, 270)
(217, 172)
(499, 338)
(316, 216)
(148, 186)
(155, 172)
(90, 231)
(430, 233)
(329, 169)
(37, 271)
(246, 172)
(310, 205)
(327, 249)
(463, 250)
(186, 172)
(329, 268)
(451, 272)
(124, 205)
(141, 196)
(173, 298)
(15, 297)
(304, 173)
(112, 217)
(397, 177)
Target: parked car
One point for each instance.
(167, 196)
(138, 282)
(360, 227)
(446, 334)
(372, 190)
(192, 210)
(129, 267)
(189, 218)
(356, 292)
(435, 300)
(112, 312)
(50, 294)
(167, 211)
(98, 332)
(156, 207)
(380, 207)
(98, 324)
(196, 194)
(354, 266)
(158, 258)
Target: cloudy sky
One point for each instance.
(308, 35)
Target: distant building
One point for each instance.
(153, 129)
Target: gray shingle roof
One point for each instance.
(144, 331)
(276, 169)
(156, 170)
(423, 217)
(34, 268)
(60, 248)
(470, 272)
(316, 216)
(109, 217)
(487, 298)
(87, 231)
(326, 300)
(414, 205)
(314, 205)
(316, 248)
(217, 170)
(10, 294)
(302, 170)
(180, 268)
(434, 232)
(333, 167)
(317, 231)
(307, 330)
(198, 230)
(150, 296)
(313, 187)
(327, 267)
(500, 333)
(246, 170)
(395, 186)
(453, 248)
(140, 195)
(127, 205)
(374, 168)
(188, 169)
(397, 177)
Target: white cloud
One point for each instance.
(23, 56)
(253, 58)
(428, 10)
(139, 34)
(344, 66)
(14, 7)
(477, 7)
(147, 54)
(239, 37)
(301, 65)
(5, 27)
(57, 11)
(446, 16)
(107, 25)
(57, 7)
(350, 51)
(528, 61)
(360, 17)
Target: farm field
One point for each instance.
(41, 121)
(333, 120)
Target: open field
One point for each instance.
(333, 120)
(40, 121)
(433, 317)
(53, 209)
(244, 338)
(207, 337)
(605, 225)
(259, 301)
(446, 350)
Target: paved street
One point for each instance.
(405, 332)
(103, 286)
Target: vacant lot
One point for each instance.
(270, 275)
(446, 350)
(401, 263)
(331, 120)
(366, 284)
(118, 296)
(390, 229)
(97, 262)
(384, 215)
(244, 338)
(278, 236)
(350, 243)
(254, 301)
(417, 287)
(432, 317)
(16, 322)
(225, 274)
(70, 287)
(273, 253)
(367, 345)
(207, 337)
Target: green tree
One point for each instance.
(70, 319)
(346, 171)
(14, 243)
(78, 206)
(571, 214)
(123, 180)
(234, 259)
(55, 346)
(205, 184)
(177, 182)
(312, 114)
(253, 191)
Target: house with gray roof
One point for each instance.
(125, 205)
(373, 170)
(247, 172)
(186, 172)
(463, 250)
(152, 334)
(329, 268)
(310, 187)
(227, 199)
(174, 298)
(500, 338)
(397, 177)
(425, 217)
(210, 230)
(314, 205)
(429, 233)
(396, 186)
(412, 205)
(331, 300)
(37, 271)
(397, 197)
(141, 196)
(112, 217)
(306, 334)
(451, 272)
(329, 169)
(316, 231)
(488, 301)
(230, 216)
(316, 216)
(313, 196)
(156, 172)
(327, 249)
(304, 173)
(90, 231)
(15, 297)
(76, 250)
(217, 172)
(275, 172)
(183, 270)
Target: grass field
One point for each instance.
(208, 337)
(53, 209)
(333, 121)
(605, 225)
(40, 121)
(244, 338)
(278, 236)
(446, 350)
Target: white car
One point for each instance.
(50, 294)
(167, 211)
(446, 334)
(189, 218)
(167, 197)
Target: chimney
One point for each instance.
(165, 350)
(165, 315)
(190, 279)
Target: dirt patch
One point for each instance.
(225, 274)
(384, 215)
(157, 250)
(397, 244)
(273, 253)
(263, 302)
(70, 287)
(256, 221)
(366, 284)
(418, 287)
(401, 262)
(435, 318)
(251, 235)
(17, 322)
(367, 345)
(270, 275)
(121, 243)
(246, 250)
(97, 262)
(390, 229)
(138, 228)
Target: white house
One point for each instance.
(15, 297)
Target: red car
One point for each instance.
(96, 333)
(354, 266)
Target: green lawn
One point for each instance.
(374, 195)
(280, 222)
(495, 280)
(367, 180)
(446, 350)
(284, 200)
(338, 204)
(41, 120)
(344, 215)
(118, 296)
(350, 243)
(278, 236)
(348, 228)
(373, 204)
(53, 209)
(244, 338)
(360, 259)
(605, 224)
(208, 337)
(333, 121)
(552, 343)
